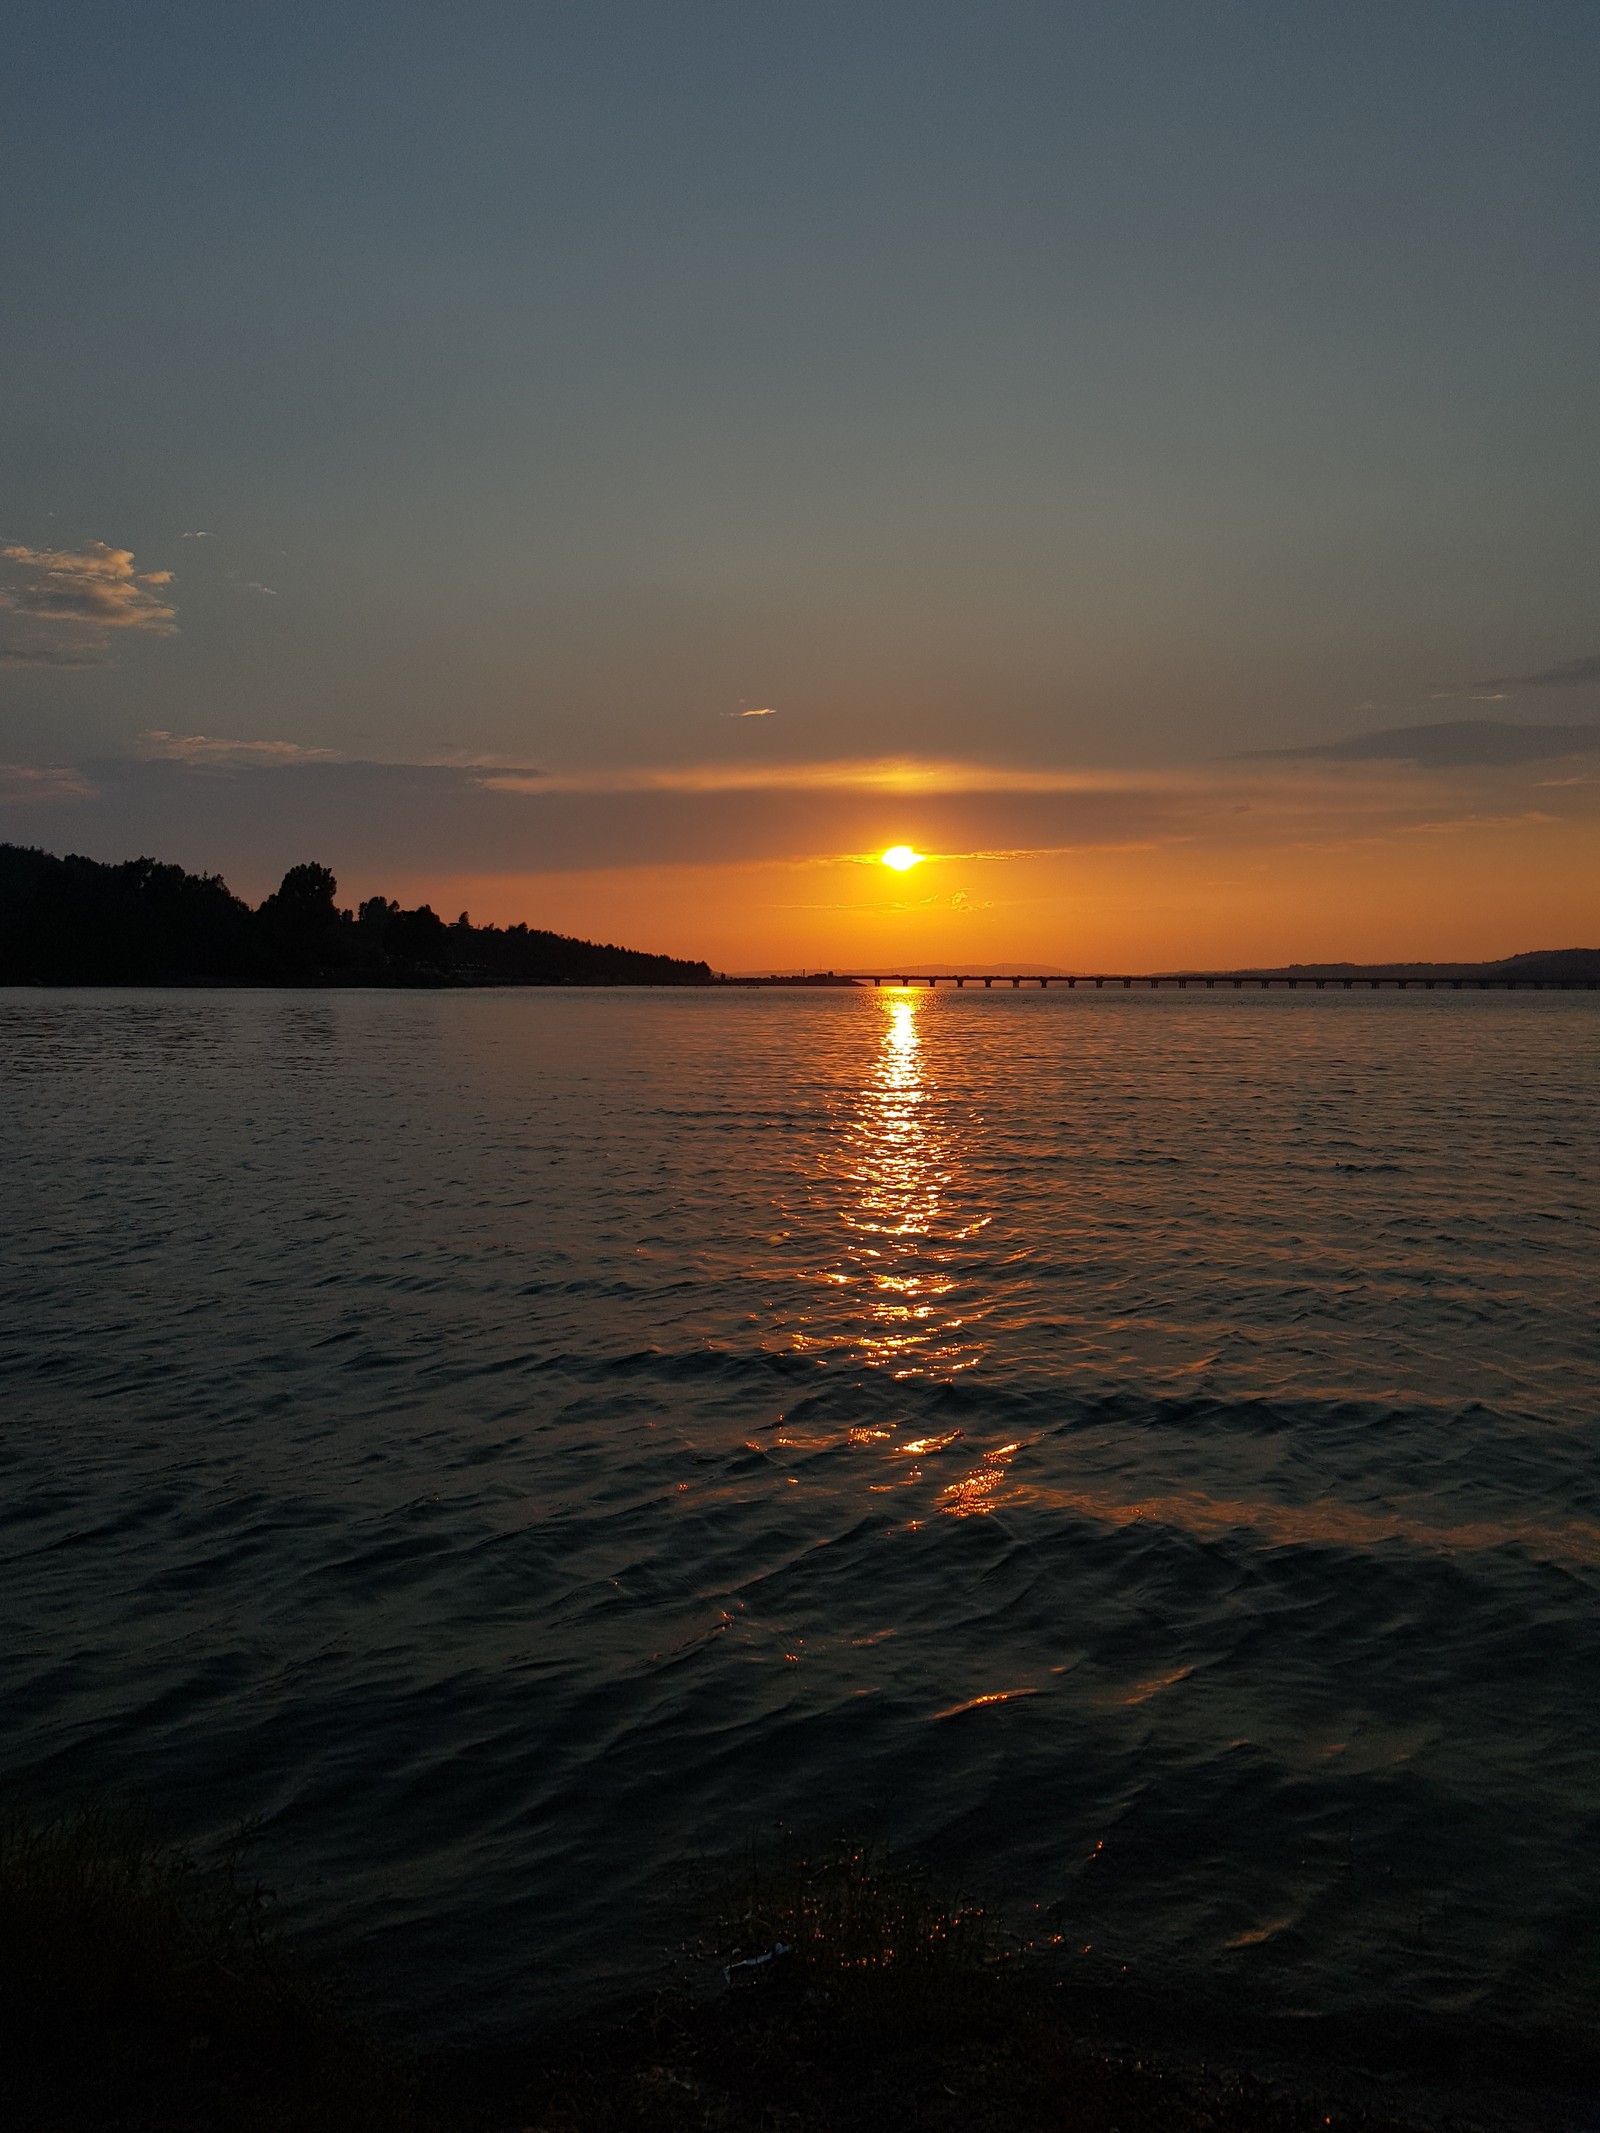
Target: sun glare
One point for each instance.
(900, 857)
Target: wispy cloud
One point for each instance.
(983, 855)
(249, 801)
(22, 783)
(1452, 744)
(95, 588)
(1569, 673)
(761, 711)
(890, 775)
(25, 651)
(198, 749)
(1456, 823)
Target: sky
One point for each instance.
(624, 466)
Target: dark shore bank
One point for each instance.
(76, 921)
(140, 1991)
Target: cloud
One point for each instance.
(1453, 744)
(764, 711)
(1529, 815)
(39, 783)
(25, 652)
(95, 587)
(907, 775)
(243, 805)
(249, 806)
(198, 749)
(1570, 673)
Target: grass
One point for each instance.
(142, 1989)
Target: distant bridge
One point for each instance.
(1101, 979)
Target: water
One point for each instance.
(1139, 1451)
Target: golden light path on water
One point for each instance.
(908, 1295)
(900, 1293)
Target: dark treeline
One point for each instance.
(78, 922)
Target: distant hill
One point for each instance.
(77, 921)
(1542, 966)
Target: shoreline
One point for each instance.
(830, 1990)
(1010, 2055)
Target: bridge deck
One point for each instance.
(1128, 981)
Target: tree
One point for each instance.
(305, 896)
(302, 922)
(418, 938)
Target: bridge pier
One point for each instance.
(1155, 981)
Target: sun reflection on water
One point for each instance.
(905, 1217)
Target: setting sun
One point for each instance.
(900, 857)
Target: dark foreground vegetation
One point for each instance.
(834, 1990)
(77, 922)
(138, 1990)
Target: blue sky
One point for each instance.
(1102, 390)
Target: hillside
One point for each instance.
(75, 921)
(1541, 966)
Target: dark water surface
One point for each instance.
(1139, 1450)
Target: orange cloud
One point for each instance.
(885, 774)
(39, 783)
(202, 748)
(96, 587)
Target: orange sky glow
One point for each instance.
(1462, 889)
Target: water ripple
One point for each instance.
(1141, 1450)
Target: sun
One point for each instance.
(900, 857)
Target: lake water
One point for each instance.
(1139, 1451)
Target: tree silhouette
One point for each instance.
(75, 921)
(301, 919)
(306, 895)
